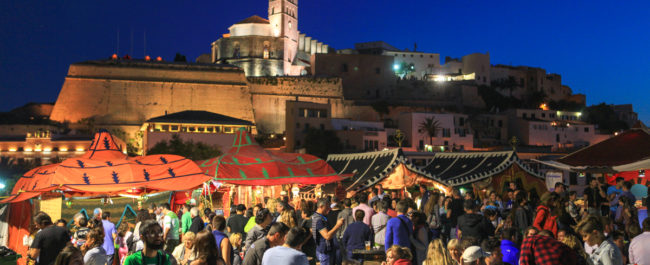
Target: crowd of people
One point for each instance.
(418, 227)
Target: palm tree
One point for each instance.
(430, 126)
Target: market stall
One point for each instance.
(254, 173)
(102, 172)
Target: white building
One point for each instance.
(453, 134)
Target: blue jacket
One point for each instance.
(355, 237)
(397, 232)
(510, 252)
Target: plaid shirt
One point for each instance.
(543, 250)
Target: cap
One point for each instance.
(474, 253)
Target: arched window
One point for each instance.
(235, 51)
(267, 52)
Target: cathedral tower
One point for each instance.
(283, 19)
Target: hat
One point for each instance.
(191, 202)
(474, 253)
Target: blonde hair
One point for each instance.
(235, 240)
(272, 204)
(287, 218)
(400, 252)
(575, 244)
(189, 236)
(454, 244)
(437, 254)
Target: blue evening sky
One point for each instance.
(599, 47)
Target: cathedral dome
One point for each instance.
(251, 26)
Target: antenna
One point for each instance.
(144, 46)
(131, 42)
(117, 50)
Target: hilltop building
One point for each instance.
(268, 47)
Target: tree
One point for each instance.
(431, 127)
(381, 107)
(188, 149)
(12, 169)
(604, 116)
(322, 143)
(180, 58)
(404, 69)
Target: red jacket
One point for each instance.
(544, 220)
(402, 262)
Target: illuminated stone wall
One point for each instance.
(129, 93)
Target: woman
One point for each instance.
(545, 217)
(184, 253)
(272, 205)
(432, 210)
(437, 254)
(420, 236)
(287, 217)
(70, 255)
(521, 212)
(309, 247)
(397, 255)
(455, 250)
(94, 253)
(205, 250)
(235, 241)
(222, 240)
(605, 252)
(575, 244)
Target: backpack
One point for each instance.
(549, 222)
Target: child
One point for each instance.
(80, 235)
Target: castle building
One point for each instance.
(268, 47)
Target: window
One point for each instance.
(532, 115)
(543, 115)
(500, 123)
(573, 178)
(557, 137)
(377, 70)
(297, 142)
(421, 55)
(586, 129)
(525, 116)
(403, 55)
(227, 129)
(297, 124)
(446, 132)
(322, 127)
(165, 128)
(421, 145)
(174, 128)
(345, 68)
(306, 126)
(461, 121)
(430, 56)
(266, 51)
(411, 55)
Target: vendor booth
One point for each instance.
(484, 170)
(388, 168)
(253, 173)
(77, 184)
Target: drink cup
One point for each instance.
(367, 245)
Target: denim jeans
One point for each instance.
(325, 258)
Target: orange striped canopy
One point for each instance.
(104, 169)
(247, 163)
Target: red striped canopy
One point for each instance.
(247, 163)
(105, 169)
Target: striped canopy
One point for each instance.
(105, 169)
(247, 163)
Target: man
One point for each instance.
(571, 207)
(377, 194)
(275, 237)
(362, 199)
(170, 228)
(425, 194)
(197, 222)
(346, 215)
(325, 243)
(97, 213)
(237, 221)
(455, 210)
(152, 236)
(262, 220)
(289, 253)
(109, 237)
(186, 219)
(596, 197)
(399, 229)
(616, 189)
(251, 219)
(473, 224)
(639, 252)
(560, 189)
(356, 235)
(333, 215)
(509, 249)
(492, 247)
(538, 249)
(625, 192)
(474, 255)
(379, 221)
(48, 242)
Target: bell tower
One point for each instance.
(283, 17)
